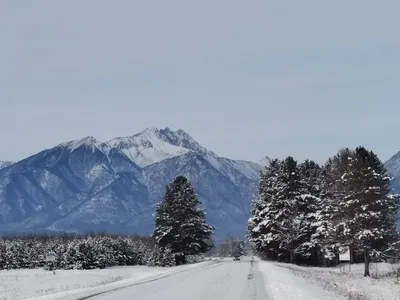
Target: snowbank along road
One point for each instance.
(233, 280)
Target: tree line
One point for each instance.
(181, 234)
(309, 214)
(77, 252)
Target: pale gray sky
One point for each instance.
(244, 78)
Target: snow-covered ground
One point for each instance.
(217, 279)
(41, 284)
(226, 280)
(382, 285)
(282, 284)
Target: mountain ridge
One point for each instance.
(89, 185)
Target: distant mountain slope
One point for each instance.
(393, 168)
(225, 191)
(4, 164)
(87, 185)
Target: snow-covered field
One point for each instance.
(382, 285)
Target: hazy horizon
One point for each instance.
(246, 80)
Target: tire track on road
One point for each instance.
(216, 264)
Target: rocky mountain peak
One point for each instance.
(153, 145)
(182, 139)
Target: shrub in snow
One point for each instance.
(85, 252)
(162, 258)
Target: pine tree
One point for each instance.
(305, 222)
(371, 210)
(258, 205)
(288, 189)
(263, 229)
(324, 235)
(338, 188)
(307, 207)
(364, 214)
(288, 183)
(271, 229)
(311, 177)
(180, 225)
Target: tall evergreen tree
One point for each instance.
(307, 221)
(371, 211)
(338, 188)
(271, 228)
(288, 189)
(263, 228)
(364, 214)
(289, 181)
(180, 224)
(258, 205)
(311, 177)
(324, 235)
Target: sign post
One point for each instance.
(345, 257)
(50, 259)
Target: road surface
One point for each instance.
(230, 280)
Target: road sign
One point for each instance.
(51, 256)
(345, 256)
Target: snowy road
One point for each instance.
(233, 280)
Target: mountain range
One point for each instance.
(91, 186)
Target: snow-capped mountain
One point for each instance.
(88, 185)
(153, 145)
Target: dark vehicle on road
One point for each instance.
(236, 255)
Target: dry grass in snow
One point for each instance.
(383, 284)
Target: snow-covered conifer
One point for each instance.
(263, 230)
(371, 212)
(271, 230)
(306, 248)
(288, 188)
(180, 224)
(311, 177)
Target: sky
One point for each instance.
(246, 79)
